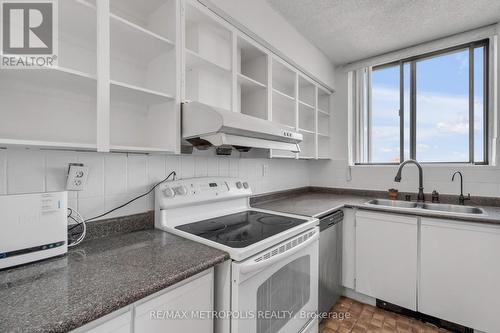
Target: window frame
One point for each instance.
(412, 61)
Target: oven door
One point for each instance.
(277, 291)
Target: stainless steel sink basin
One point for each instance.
(393, 203)
(453, 208)
(457, 209)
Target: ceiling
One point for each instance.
(350, 30)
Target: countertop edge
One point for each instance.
(128, 300)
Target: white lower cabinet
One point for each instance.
(181, 308)
(120, 324)
(460, 273)
(386, 257)
(184, 304)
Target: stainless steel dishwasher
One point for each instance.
(330, 260)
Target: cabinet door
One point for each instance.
(348, 248)
(120, 324)
(386, 257)
(460, 273)
(176, 310)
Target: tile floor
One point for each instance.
(348, 315)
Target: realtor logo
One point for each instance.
(29, 34)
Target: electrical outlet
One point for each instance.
(77, 177)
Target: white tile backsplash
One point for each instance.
(25, 171)
(115, 178)
(115, 174)
(137, 174)
(3, 171)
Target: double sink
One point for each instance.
(411, 205)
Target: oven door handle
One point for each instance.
(252, 266)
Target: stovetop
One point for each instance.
(241, 229)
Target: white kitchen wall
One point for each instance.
(478, 180)
(115, 178)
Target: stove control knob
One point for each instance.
(181, 190)
(239, 185)
(245, 185)
(169, 192)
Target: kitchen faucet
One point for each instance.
(420, 196)
(461, 198)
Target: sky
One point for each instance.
(442, 109)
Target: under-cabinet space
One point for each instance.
(61, 112)
(308, 145)
(143, 58)
(78, 37)
(208, 57)
(284, 79)
(142, 121)
(251, 79)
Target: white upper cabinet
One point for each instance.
(56, 107)
(208, 57)
(386, 257)
(251, 79)
(143, 75)
(323, 128)
(125, 66)
(284, 98)
(307, 118)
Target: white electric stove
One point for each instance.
(271, 283)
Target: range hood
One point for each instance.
(205, 126)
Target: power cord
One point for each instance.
(73, 215)
(134, 199)
(75, 238)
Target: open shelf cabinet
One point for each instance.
(207, 57)
(251, 79)
(323, 128)
(143, 75)
(56, 107)
(123, 70)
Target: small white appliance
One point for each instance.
(271, 282)
(32, 227)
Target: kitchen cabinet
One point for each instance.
(184, 307)
(460, 273)
(386, 257)
(124, 68)
(349, 249)
(119, 324)
(193, 299)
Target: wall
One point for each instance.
(478, 180)
(260, 18)
(116, 178)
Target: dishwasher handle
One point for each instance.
(331, 220)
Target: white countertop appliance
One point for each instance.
(32, 227)
(271, 282)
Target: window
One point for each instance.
(432, 108)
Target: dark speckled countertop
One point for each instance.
(96, 278)
(318, 202)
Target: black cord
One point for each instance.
(132, 200)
